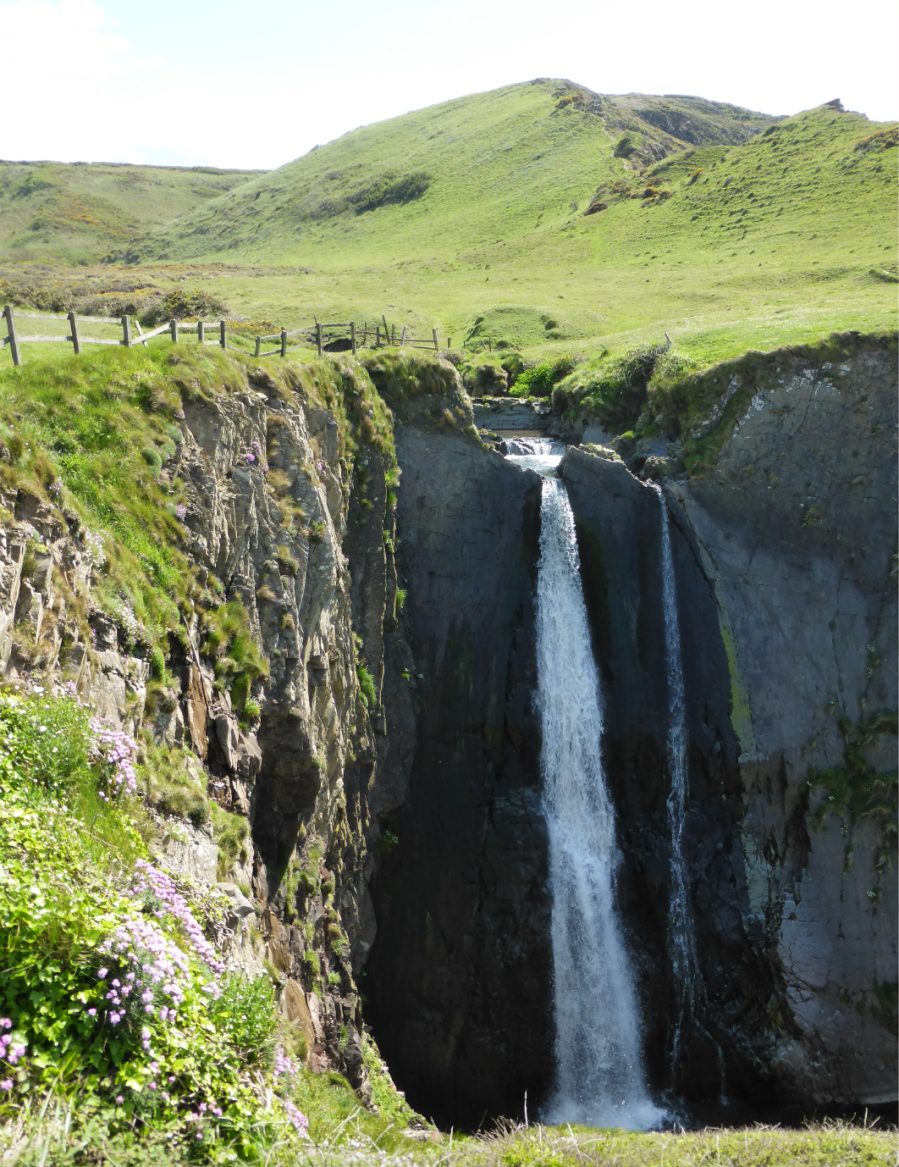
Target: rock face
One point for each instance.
(458, 977)
(267, 483)
(785, 565)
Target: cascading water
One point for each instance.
(681, 942)
(600, 1078)
(681, 935)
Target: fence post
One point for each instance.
(283, 342)
(201, 335)
(377, 336)
(258, 346)
(449, 342)
(434, 334)
(353, 335)
(173, 325)
(403, 337)
(13, 339)
(393, 335)
(364, 333)
(126, 331)
(318, 338)
(386, 330)
(73, 324)
(222, 340)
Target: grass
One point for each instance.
(763, 238)
(773, 243)
(77, 213)
(352, 1136)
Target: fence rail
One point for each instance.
(325, 337)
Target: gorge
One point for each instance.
(721, 678)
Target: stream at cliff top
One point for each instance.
(600, 1079)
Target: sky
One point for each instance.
(232, 84)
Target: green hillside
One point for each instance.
(60, 212)
(548, 218)
(748, 231)
(447, 178)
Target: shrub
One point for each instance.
(247, 1014)
(538, 381)
(390, 187)
(181, 304)
(153, 459)
(366, 686)
(286, 562)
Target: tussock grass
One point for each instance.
(759, 1146)
(356, 1138)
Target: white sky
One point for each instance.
(190, 82)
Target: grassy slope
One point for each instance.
(782, 252)
(784, 236)
(74, 212)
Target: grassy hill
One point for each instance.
(555, 220)
(746, 231)
(62, 212)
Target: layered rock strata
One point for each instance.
(785, 558)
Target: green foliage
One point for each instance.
(781, 254)
(614, 388)
(131, 1065)
(184, 304)
(153, 459)
(77, 213)
(389, 187)
(401, 596)
(246, 1014)
(392, 1106)
(539, 380)
(173, 786)
(389, 840)
(366, 686)
(286, 561)
(238, 658)
(231, 832)
(855, 789)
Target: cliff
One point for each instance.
(784, 552)
(315, 609)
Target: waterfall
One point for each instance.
(681, 942)
(600, 1078)
(681, 935)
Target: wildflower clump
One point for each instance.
(113, 992)
(158, 892)
(114, 751)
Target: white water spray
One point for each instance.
(600, 1077)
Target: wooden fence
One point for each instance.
(325, 338)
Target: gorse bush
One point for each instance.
(390, 187)
(183, 304)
